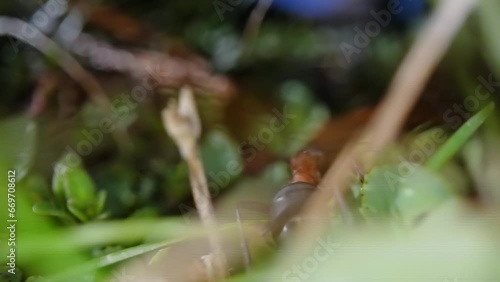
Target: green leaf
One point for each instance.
(404, 192)
(75, 210)
(71, 180)
(379, 191)
(48, 209)
(101, 201)
(78, 187)
(451, 147)
(75, 189)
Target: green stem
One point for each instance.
(458, 139)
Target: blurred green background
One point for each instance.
(89, 199)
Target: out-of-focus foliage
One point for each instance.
(83, 216)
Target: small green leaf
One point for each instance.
(72, 183)
(379, 191)
(48, 209)
(78, 187)
(101, 201)
(75, 210)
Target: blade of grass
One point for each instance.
(130, 230)
(103, 233)
(110, 259)
(458, 139)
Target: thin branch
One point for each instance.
(167, 71)
(182, 123)
(29, 34)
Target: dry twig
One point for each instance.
(182, 123)
(167, 71)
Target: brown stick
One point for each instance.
(182, 123)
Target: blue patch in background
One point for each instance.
(320, 9)
(311, 9)
(412, 10)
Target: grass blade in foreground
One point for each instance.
(110, 259)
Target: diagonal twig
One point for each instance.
(25, 32)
